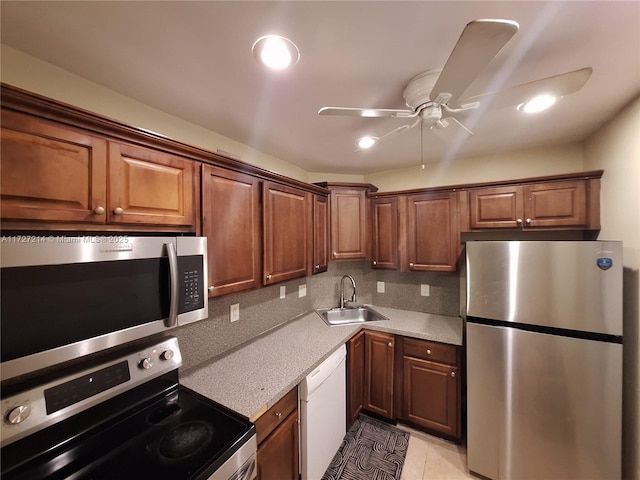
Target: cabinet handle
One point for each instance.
(278, 414)
(428, 351)
(118, 211)
(528, 221)
(99, 210)
(317, 267)
(389, 344)
(453, 374)
(268, 277)
(335, 254)
(411, 265)
(211, 287)
(519, 221)
(375, 263)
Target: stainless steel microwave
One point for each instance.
(64, 296)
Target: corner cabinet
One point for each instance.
(349, 214)
(278, 440)
(287, 232)
(232, 224)
(355, 377)
(565, 204)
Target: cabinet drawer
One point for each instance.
(432, 351)
(273, 417)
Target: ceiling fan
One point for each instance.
(434, 93)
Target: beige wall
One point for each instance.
(31, 74)
(616, 148)
(504, 166)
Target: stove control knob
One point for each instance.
(167, 355)
(145, 364)
(18, 414)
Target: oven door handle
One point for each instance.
(172, 321)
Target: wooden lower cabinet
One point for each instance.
(431, 386)
(355, 377)
(378, 373)
(401, 378)
(278, 440)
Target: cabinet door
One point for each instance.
(231, 223)
(431, 395)
(555, 204)
(355, 377)
(286, 229)
(150, 187)
(385, 233)
(51, 173)
(320, 233)
(379, 353)
(496, 207)
(349, 235)
(278, 454)
(433, 232)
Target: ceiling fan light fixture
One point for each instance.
(275, 52)
(538, 103)
(366, 142)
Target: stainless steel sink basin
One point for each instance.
(349, 315)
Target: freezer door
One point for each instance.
(542, 406)
(571, 285)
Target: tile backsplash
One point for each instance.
(262, 310)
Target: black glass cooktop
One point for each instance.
(177, 435)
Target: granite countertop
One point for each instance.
(251, 379)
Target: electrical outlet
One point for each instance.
(302, 290)
(380, 286)
(234, 312)
(283, 291)
(424, 290)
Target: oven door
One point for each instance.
(65, 297)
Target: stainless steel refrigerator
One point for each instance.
(544, 359)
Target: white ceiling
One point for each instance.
(193, 60)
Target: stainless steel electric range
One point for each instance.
(125, 417)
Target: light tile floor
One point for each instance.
(433, 458)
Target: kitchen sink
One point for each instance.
(349, 315)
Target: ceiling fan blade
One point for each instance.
(558, 85)
(367, 112)
(451, 130)
(481, 40)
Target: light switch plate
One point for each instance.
(283, 291)
(234, 312)
(380, 286)
(302, 290)
(424, 290)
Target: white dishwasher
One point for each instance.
(323, 414)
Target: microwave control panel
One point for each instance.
(191, 275)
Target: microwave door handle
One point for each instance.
(172, 321)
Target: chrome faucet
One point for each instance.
(353, 296)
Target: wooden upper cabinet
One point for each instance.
(150, 187)
(286, 223)
(51, 173)
(231, 222)
(433, 232)
(320, 233)
(350, 237)
(572, 204)
(384, 250)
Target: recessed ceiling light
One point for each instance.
(537, 104)
(366, 142)
(275, 52)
